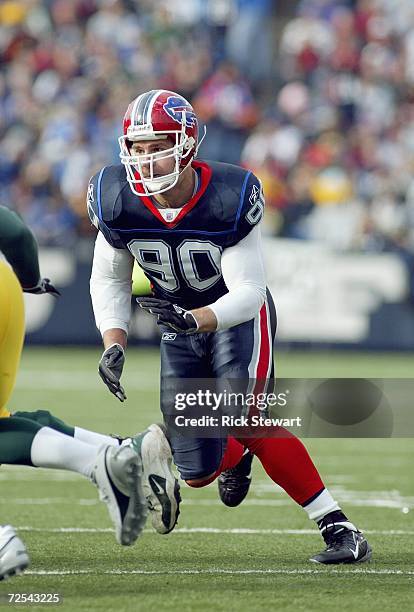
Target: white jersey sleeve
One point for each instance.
(110, 286)
(243, 272)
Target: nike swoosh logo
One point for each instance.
(159, 488)
(157, 484)
(356, 551)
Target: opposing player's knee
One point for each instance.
(201, 482)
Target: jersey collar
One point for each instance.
(205, 178)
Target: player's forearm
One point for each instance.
(111, 306)
(206, 319)
(114, 336)
(243, 272)
(238, 306)
(19, 247)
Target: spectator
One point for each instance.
(345, 116)
(225, 103)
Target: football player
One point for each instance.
(19, 247)
(194, 228)
(116, 472)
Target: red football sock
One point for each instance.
(232, 455)
(288, 463)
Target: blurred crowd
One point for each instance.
(335, 147)
(320, 106)
(70, 69)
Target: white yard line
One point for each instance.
(398, 504)
(218, 571)
(211, 530)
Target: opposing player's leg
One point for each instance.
(11, 332)
(14, 558)
(247, 352)
(158, 483)
(117, 472)
(47, 419)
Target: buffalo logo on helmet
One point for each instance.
(176, 107)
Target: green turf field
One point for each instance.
(251, 558)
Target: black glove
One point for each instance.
(110, 370)
(180, 320)
(43, 286)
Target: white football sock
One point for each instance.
(52, 449)
(94, 438)
(321, 505)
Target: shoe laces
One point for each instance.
(232, 477)
(336, 535)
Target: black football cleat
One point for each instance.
(234, 484)
(344, 543)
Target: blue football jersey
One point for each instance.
(181, 257)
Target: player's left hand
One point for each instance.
(110, 369)
(180, 320)
(43, 286)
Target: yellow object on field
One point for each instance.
(11, 332)
(140, 283)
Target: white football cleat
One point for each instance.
(118, 475)
(160, 486)
(13, 554)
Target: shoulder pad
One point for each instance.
(103, 200)
(91, 201)
(251, 205)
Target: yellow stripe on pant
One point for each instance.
(11, 332)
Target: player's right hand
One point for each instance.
(110, 370)
(180, 320)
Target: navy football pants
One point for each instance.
(243, 352)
